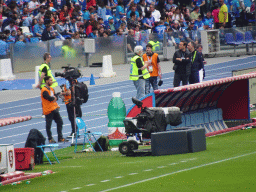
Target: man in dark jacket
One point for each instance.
(48, 34)
(197, 63)
(182, 65)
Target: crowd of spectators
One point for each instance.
(24, 20)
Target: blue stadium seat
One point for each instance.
(34, 40)
(249, 39)
(214, 118)
(220, 119)
(230, 40)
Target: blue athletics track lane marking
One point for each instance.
(100, 95)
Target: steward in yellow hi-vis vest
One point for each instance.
(155, 45)
(51, 110)
(139, 72)
(44, 70)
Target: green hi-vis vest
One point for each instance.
(49, 71)
(155, 45)
(134, 70)
(68, 52)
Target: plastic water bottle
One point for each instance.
(116, 111)
(116, 115)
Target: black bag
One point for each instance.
(81, 91)
(104, 143)
(34, 139)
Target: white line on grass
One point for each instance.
(90, 185)
(76, 188)
(160, 167)
(179, 171)
(104, 181)
(119, 177)
(133, 174)
(148, 170)
(173, 163)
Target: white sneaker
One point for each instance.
(43, 116)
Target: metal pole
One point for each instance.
(86, 59)
(125, 50)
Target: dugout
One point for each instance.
(207, 104)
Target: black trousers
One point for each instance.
(54, 115)
(178, 78)
(194, 77)
(70, 110)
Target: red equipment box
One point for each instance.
(24, 158)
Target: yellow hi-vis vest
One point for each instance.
(155, 45)
(68, 52)
(134, 70)
(49, 71)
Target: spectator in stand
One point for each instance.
(110, 27)
(124, 28)
(90, 3)
(11, 38)
(142, 7)
(101, 22)
(48, 34)
(11, 26)
(48, 18)
(19, 34)
(177, 15)
(190, 33)
(61, 29)
(41, 12)
(223, 14)
(33, 7)
(25, 18)
(195, 13)
(121, 21)
(170, 5)
(185, 11)
(119, 32)
(90, 24)
(252, 9)
(3, 46)
(94, 34)
(137, 34)
(133, 9)
(65, 13)
(155, 13)
(199, 23)
(120, 9)
(101, 31)
(71, 27)
(200, 4)
(132, 22)
(215, 14)
(131, 43)
(170, 14)
(34, 22)
(101, 12)
(209, 20)
(82, 32)
(160, 29)
(149, 21)
(39, 28)
(235, 9)
(178, 32)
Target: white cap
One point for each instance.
(116, 94)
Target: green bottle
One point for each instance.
(116, 111)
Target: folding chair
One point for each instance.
(50, 146)
(87, 134)
(249, 39)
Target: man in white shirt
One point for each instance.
(155, 13)
(11, 26)
(32, 5)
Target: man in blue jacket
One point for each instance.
(196, 63)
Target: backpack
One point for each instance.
(81, 91)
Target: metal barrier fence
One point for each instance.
(25, 56)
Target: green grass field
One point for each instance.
(228, 164)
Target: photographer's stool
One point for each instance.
(50, 146)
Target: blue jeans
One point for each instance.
(151, 81)
(140, 87)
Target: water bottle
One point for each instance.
(116, 115)
(116, 111)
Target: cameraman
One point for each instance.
(70, 108)
(51, 110)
